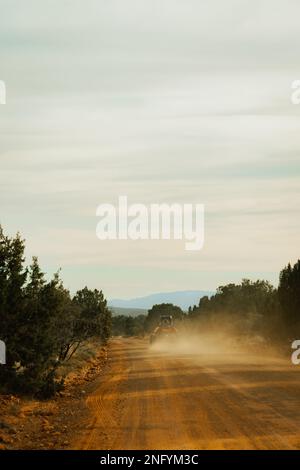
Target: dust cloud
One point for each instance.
(223, 346)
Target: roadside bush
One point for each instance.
(40, 323)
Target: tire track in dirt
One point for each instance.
(147, 399)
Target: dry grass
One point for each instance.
(83, 356)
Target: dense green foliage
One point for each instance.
(255, 308)
(40, 323)
(289, 296)
(128, 325)
(156, 311)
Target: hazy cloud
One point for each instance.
(165, 101)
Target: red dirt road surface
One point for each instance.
(147, 399)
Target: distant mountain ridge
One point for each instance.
(132, 312)
(184, 299)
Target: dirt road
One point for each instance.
(155, 400)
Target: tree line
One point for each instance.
(251, 308)
(141, 325)
(41, 323)
(255, 307)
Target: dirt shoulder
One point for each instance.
(49, 424)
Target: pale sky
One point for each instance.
(163, 101)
